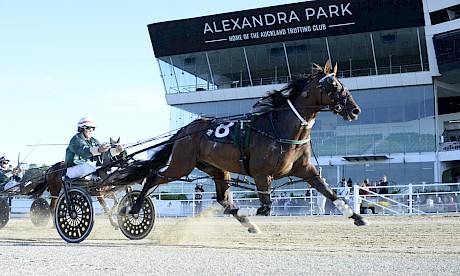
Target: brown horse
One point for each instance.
(55, 182)
(278, 147)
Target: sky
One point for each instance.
(64, 60)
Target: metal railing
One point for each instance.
(419, 198)
(448, 146)
(285, 79)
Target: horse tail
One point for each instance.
(39, 188)
(161, 155)
(34, 182)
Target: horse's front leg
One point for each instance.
(263, 184)
(321, 186)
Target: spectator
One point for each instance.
(383, 186)
(364, 192)
(458, 181)
(350, 183)
(321, 203)
(198, 198)
(344, 191)
(451, 206)
(374, 187)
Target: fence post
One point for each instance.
(355, 199)
(311, 202)
(410, 198)
(193, 205)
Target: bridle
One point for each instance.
(329, 85)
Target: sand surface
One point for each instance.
(321, 245)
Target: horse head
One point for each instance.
(113, 142)
(336, 94)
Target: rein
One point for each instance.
(302, 120)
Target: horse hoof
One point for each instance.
(361, 222)
(263, 211)
(254, 230)
(230, 210)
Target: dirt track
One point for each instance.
(410, 245)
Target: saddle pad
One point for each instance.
(222, 133)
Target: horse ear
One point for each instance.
(118, 141)
(327, 67)
(335, 69)
(112, 141)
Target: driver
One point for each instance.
(85, 153)
(9, 177)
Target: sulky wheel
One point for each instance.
(4, 212)
(40, 212)
(74, 221)
(136, 227)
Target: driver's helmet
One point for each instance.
(3, 158)
(86, 122)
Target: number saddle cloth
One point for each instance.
(236, 132)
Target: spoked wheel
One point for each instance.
(4, 212)
(40, 212)
(136, 227)
(74, 221)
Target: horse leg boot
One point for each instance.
(263, 183)
(324, 189)
(231, 209)
(222, 182)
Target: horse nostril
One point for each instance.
(356, 111)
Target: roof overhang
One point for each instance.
(358, 158)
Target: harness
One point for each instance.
(327, 84)
(241, 139)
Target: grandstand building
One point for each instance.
(399, 58)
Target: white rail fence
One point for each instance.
(401, 199)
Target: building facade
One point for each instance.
(400, 60)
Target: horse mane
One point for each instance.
(275, 98)
(293, 89)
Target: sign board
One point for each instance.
(311, 19)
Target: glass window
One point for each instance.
(307, 53)
(397, 51)
(229, 67)
(393, 120)
(353, 54)
(267, 63)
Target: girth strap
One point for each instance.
(241, 140)
(294, 142)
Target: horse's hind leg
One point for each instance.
(114, 197)
(173, 172)
(222, 181)
(107, 211)
(53, 204)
